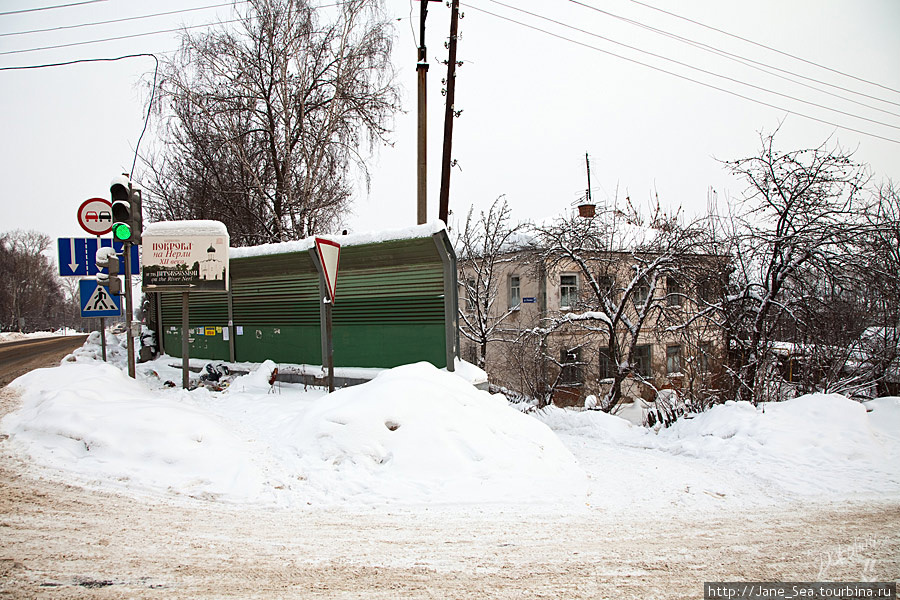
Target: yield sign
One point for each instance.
(329, 255)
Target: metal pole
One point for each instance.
(330, 359)
(444, 208)
(129, 334)
(185, 325)
(103, 337)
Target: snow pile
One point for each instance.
(72, 420)
(414, 434)
(813, 445)
(816, 446)
(417, 432)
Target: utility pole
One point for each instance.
(449, 113)
(422, 164)
(422, 155)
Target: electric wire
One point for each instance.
(29, 10)
(684, 77)
(117, 38)
(121, 20)
(801, 59)
(692, 67)
(749, 62)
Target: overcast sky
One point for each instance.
(534, 102)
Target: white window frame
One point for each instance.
(514, 303)
(574, 294)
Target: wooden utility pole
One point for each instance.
(422, 163)
(449, 113)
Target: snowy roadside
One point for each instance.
(417, 436)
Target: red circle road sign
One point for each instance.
(95, 216)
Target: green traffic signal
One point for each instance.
(121, 231)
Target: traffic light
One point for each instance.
(109, 260)
(126, 210)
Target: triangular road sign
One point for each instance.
(329, 255)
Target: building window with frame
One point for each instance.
(673, 359)
(707, 290)
(515, 291)
(706, 352)
(641, 293)
(674, 291)
(606, 283)
(570, 366)
(470, 294)
(642, 358)
(607, 364)
(568, 291)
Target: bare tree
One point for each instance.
(29, 288)
(263, 124)
(622, 261)
(484, 246)
(876, 265)
(801, 212)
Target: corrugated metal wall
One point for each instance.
(390, 308)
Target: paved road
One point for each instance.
(18, 358)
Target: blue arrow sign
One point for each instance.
(96, 301)
(76, 256)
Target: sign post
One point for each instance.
(97, 301)
(184, 256)
(328, 254)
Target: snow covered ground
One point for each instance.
(418, 436)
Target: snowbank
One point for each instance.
(415, 434)
(817, 446)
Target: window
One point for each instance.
(642, 360)
(606, 284)
(706, 351)
(515, 291)
(673, 359)
(470, 294)
(674, 292)
(641, 292)
(607, 364)
(570, 361)
(568, 291)
(707, 290)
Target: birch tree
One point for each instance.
(264, 123)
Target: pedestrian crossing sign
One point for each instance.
(96, 301)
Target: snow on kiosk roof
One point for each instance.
(396, 303)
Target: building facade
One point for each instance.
(550, 324)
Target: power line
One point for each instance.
(121, 37)
(705, 71)
(809, 62)
(110, 59)
(686, 78)
(744, 60)
(28, 10)
(122, 20)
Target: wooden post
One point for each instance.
(185, 326)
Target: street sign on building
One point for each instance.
(95, 216)
(96, 301)
(76, 256)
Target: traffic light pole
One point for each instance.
(129, 334)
